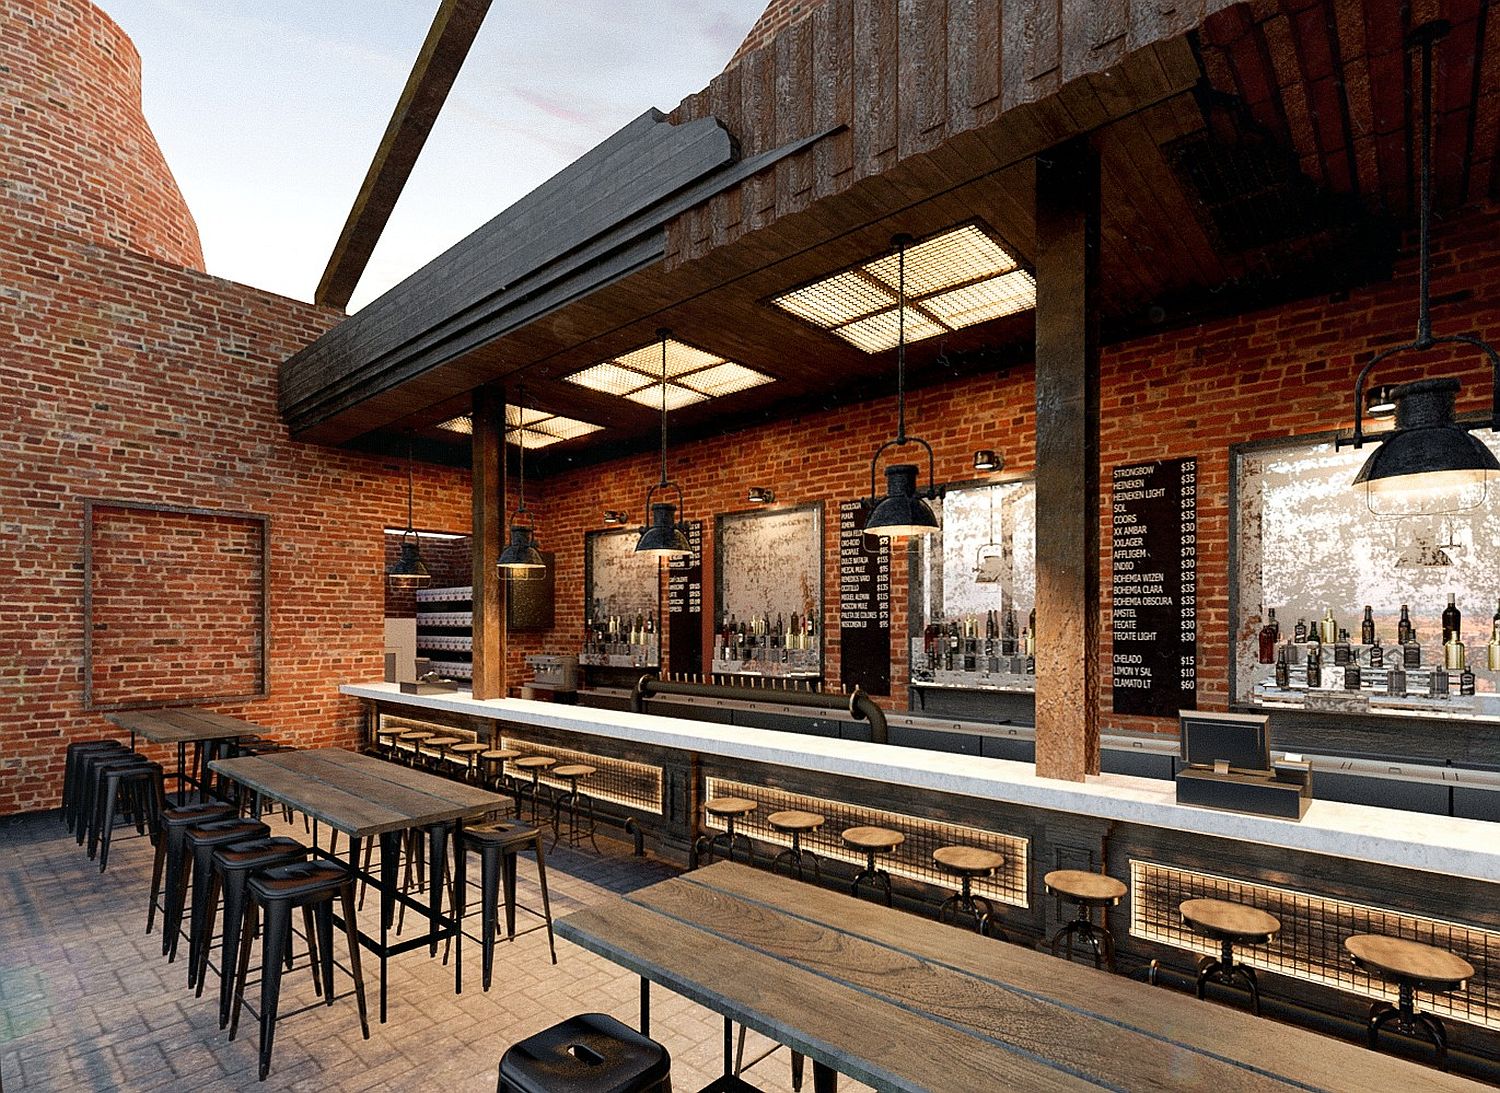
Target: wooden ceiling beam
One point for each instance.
(447, 45)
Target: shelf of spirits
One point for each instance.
(615, 642)
(951, 653)
(762, 646)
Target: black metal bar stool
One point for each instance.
(574, 801)
(590, 1053)
(468, 754)
(276, 892)
(109, 779)
(231, 868)
(90, 764)
(796, 823)
(75, 753)
(499, 844)
(198, 848)
(870, 841)
(1086, 890)
(166, 873)
(968, 863)
(533, 765)
(1413, 967)
(728, 809)
(1229, 924)
(385, 742)
(142, 786)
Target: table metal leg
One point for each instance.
(460, 896)
(645, 1006)
(390, 854)
(728, 1046)
(825, 1078)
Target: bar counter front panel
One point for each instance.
(1345, 868)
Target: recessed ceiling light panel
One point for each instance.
(882, 331)
(540, 428)
(693, 375)
(677, 396)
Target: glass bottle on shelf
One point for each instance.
(1377, 654)
(1466, 682)
(1328, 628)
(1299, 632)
(1351, 676)
(1269, 633)
(1342, 654)
(1314, 665)
(1367, 627)
(1395, 681)
(1454, 654)
(1283, 669)
(1452, 619)
(1437, 682)
(1492, 650)
(1411, 653)
(1403, 627)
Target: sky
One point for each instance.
(269, 111)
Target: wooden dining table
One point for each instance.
(902, 1003)
(368, 797)
(182, 725)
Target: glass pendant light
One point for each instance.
(408, 571)
(663, 534)
(1430, 463)
(902, 512)
(520, 560)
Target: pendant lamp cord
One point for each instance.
(521, 431)
(663, 408)
(410, 529)
(901, 342)
(1424, 230)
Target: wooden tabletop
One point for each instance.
(902, 1003)
(182, 725)
(359, 795)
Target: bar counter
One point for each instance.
(1343, 869)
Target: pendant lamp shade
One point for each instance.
(408, 571)
(901, 512)
(521, 557)
(664, 537)
(1429, 453)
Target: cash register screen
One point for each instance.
(1241, 740)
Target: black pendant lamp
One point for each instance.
(1430, 459)
(520, 560)
(903, 511)
(408, 571)
(663, 534)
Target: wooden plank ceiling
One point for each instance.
(1267, 152)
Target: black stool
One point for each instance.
(198, 848)
(590, 1053)
(498, 845)
(796, 823)
(534, 765)
(166, 872)
(75, 753)
(727, 809)
(573, 773)
(276, 891)
(142, 784)
(231, 868)
(870, 841)
(1413, 967)
(1086, 890)
(1230, 924)
(90, 766)
(968, 863)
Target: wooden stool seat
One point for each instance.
(416, 734)
(535, 762)
(1085, 888)
(378, 732)
(968, 861)
(794, 821)
(730, 806)
(468, 747)
(1425, 967)
(443, 741)
(573, 770)
(499, 755)
(1232, 922)
(879, 839)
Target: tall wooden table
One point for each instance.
(366, 797)
(902, 1003)
(182, 725)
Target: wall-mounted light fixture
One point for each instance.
(1430, 462)
(987, 459)
(761, 495)
(614, 517)
(408, 571)
(663, 535)
(902, 512)
(1381, 401)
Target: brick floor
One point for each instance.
(87, 1001)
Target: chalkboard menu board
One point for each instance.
(685, 605)
(1155, 587)
(864, 602)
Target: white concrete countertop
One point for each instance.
(1410, 840)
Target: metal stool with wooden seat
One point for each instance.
(590, 1053)
(1413, 967)
(572, 774)
(1086, 890)
(870, 841)
(385, 742)
(413, 738)
(533, 765)
(1229, 924)
(492, 768)
(728, 809)
(435, 751)
(796, 823)
(968, 863)
(468, 754)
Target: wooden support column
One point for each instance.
(1067, 462)
(488, 486)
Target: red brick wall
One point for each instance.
(448, 560)
(778, 14)
(1190, 392)
(77, 153)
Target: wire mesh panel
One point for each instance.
(634, 785)
(912, 859)
(395, 723)
(1310, 945)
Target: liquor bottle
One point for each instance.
(1314, 666)
(1342, 654)
(1008, 633)
(1367, 627)
(1454, 657)
(651, 622)
(1411, 653)
(1466, 682)
(1269, 633)
(1437, 683)
(1283, 669)
(1492, 660)
(1299, 632)
(1351, 677)
(1395, 681)
(1377, 655)
(1496, 620)
(1328, 629)
(1452, 619)
(1403, 626)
